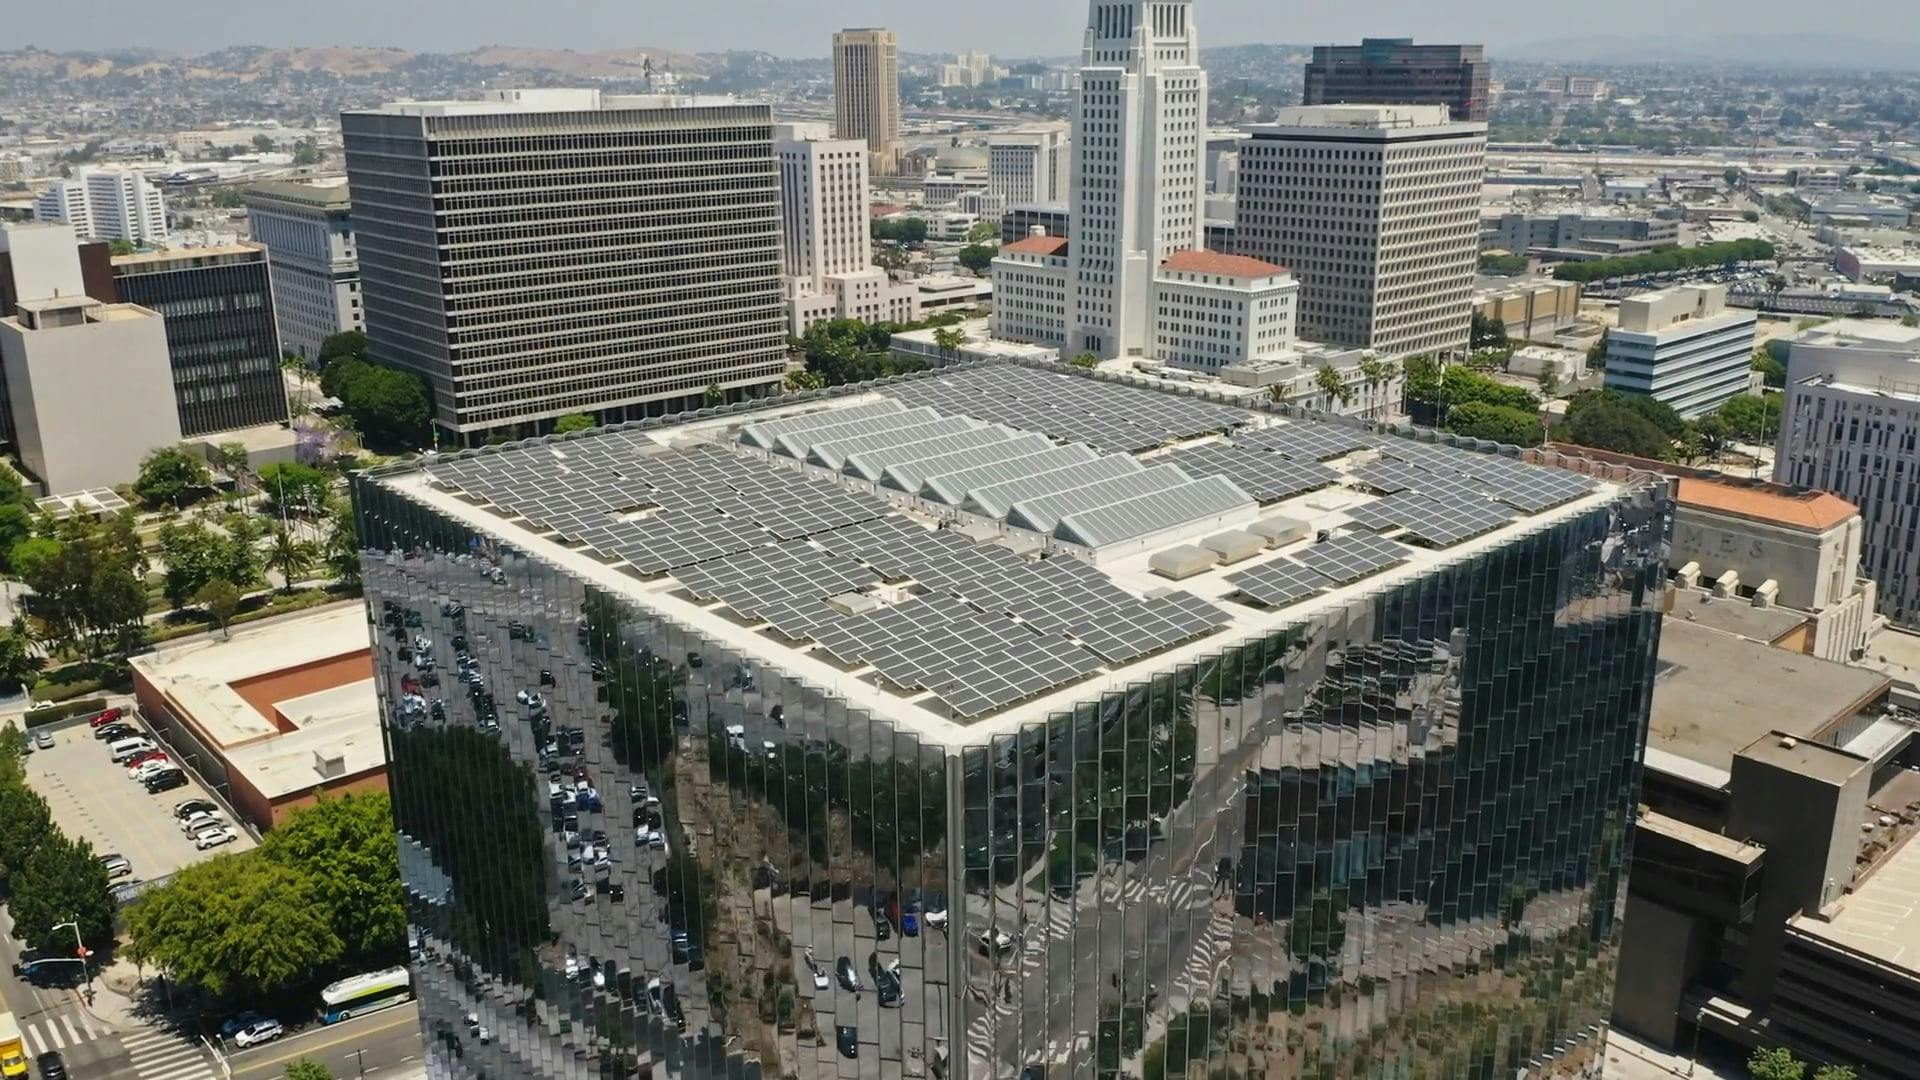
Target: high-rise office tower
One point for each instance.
(544, 252)
(866, 93)
(1029, 164)
(1376, 210)
(1139, 114)
(1215, 755)
(222, 340)
(109, 204)
(1851, 425)
(308, 231)
(826, 244)
(1395, 71)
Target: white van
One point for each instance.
(130, 747)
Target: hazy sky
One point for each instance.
(802, 27)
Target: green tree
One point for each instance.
(16, 525)
(347, 845)
(1611, 425)
(1487, 333)
(1755, 419)
(296, 487)
(1460, 385)
(1834, 1072)
(977, 257)
(1549, 384)
(1333, 384)
(1772, 372)
(1775, 1064)
(948, 340)
(347, 344)
(24, 822)
(1479, 420)
(1710, 435)
(220, 598)
(88, 582)
(289, 556)
(982, 231)
(195, 553)
(307, 1069)
(571, 423)
(17, 665)
(235, 923)
(61, 881)
(1086, 361)
(172, 476)
(341, 551)
(1422, 392)
(263, 143)
(231, 458)
(389, 408)
(802, 379)
(1750, 216)
(121, 247)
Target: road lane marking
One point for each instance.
(255, 1065)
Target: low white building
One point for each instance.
(1371, 387)
(1212, 310)
(107, 204)
(978, 342)
(1030, 291)
(826, 244)
(1683, 347)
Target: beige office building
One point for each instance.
(866, 94)
(1376, 210)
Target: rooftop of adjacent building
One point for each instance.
(271, 697)
(1037, 245)
(1297, 520)
(64, 312)
(1783, 505)
(1733, 614)
(1381, 120)
(1212, 262)
(1879, 916)
(550, 100)
(187, 258)
(1715, 693)
(328, 192)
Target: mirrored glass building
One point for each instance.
(1006, 721)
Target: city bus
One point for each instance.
(362, 994)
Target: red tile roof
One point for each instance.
(1212, 262)
(1039, 245)
(1801, 508)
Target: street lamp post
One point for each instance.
(79, 951)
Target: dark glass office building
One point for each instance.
(1395, 71)
(221, 335)
(869, 735)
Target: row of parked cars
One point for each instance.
(150, 765)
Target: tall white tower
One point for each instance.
(1138, 190)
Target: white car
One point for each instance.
(149, 767)
(213, 838)
(199, 822)
(258, 1032)
(820, 979)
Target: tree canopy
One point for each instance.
(61, 882)
(195, 553)
(977, 257)
(572, 422)
(88, 582)
(909, 231)
(296, 487)
(1663, 260)
(1606, 420)
(172, 476)
(1479, 420)
(843, 351)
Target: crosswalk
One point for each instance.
(59, 1032)
(158, 1054)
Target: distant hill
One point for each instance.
(1776, 50)
(244, 63)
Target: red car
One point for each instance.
(138, 760)
(107, 717)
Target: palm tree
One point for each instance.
(1334, 384)
(949, 339)
(1378, 373)
(290, 555)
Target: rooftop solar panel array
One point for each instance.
(1043, 513)
(909, 475)
(766, 433)
(833, 453)
(796, 443)
(997, 500)
(1157, 512)
(1117, 419)
(1342, 560)
(1268, 477)
(951, 488)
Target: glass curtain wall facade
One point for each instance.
(1388, 841)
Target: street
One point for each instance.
(385, 1043)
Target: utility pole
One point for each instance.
(80, 953)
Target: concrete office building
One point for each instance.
(222, 340)
(83, 377)
(1683, 347)
(1531, 310)
(1371, 388)
(1376, 210)
(1395, 71)
(1033, 291)
(1213, 311)
(308, 231)
(1519, 233)
(826, 240)
(107, 204)
(1193, 777)
(866, 94)
(1851, 425)
(639, 268)
(1029, 164)
(1771, 861)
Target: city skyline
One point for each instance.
(769, 25)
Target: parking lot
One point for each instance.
(93, 798)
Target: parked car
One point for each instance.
(112, 732)
(240, 1020)
(848, 1040)
(116, 865)
(887, 984)
(127, 748)
(849, 977)
(197, 822)
(820, 980)
(185, 810)
(258, 1032)
(213, 838)
(106, 716)
(151, 769)
(43, 740)
(165, 780)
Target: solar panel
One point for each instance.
(951, 488)
(1140, 629)
(1279, 583)
(833, 453)
(1114, 523)
(1041, 514)
(1307, 441)
(1436, 522)
(766, 433)
(1347, 559)
(871, 464)
(908, 475)
(1268, 477)
(997, 500)
(800, 443)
